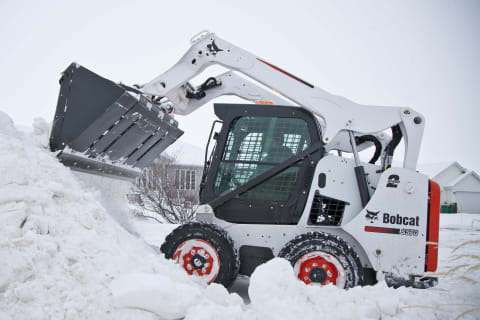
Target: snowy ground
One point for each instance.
(65, 254)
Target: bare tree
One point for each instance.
(160, 195)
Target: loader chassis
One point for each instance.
(276, 182)
(321, 196)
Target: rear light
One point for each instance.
(433, 226)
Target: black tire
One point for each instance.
(330, 244)
(216, 238)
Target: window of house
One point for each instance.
(134, 198)
(185, 179)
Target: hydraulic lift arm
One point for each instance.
(339, 114)
(228, 83)
(110, 129)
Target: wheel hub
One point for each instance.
(317, 275)
(198, 261)
(198, 258)
(320, 268)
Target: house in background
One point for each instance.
(187, 170)
(178, 172)
(187, 180)
(460, 187)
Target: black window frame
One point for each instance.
(259, 146)
(239, 210)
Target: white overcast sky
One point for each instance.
(421, 54)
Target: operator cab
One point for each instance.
(262, 165)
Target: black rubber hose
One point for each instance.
(199, 93)
(396, 138)
(378, 145)
(209, 84)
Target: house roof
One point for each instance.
(462, 177)
(434, 169)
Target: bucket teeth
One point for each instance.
(79, 162)
(107, 129)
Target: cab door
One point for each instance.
(253, 140)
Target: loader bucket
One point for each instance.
(107, 129)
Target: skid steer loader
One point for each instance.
(276, 181)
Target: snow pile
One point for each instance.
(59, 249)
(270, 283)
(63, 256)
(275, 294)
(172, 299)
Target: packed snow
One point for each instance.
(69, 250)
(59, 247)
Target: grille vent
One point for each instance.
(326, 211)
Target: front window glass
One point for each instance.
(256, 144)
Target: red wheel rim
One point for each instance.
(320, 268)
(198, 258)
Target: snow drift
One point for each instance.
(59, 249)
(65, 255)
